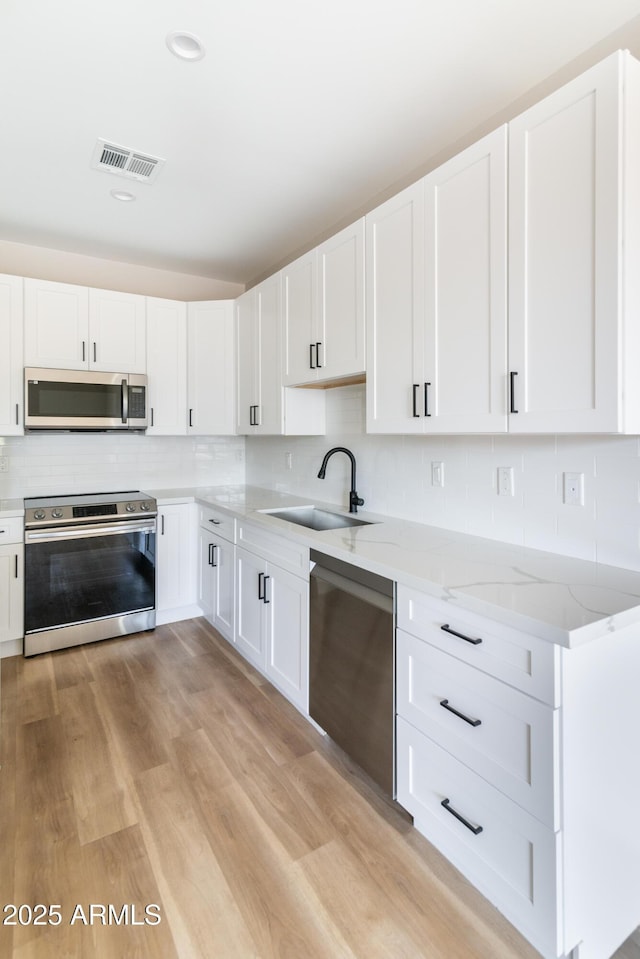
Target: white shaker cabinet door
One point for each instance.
(211, 373)
(395, 313)
(117, 332)
(466, 290)
(287, 612)
(299, 308)
(250, 631)
(56, 325)
(11, 356)
(167, 367)
(340, 333)
(566, 202)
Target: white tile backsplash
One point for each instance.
(42, 464)
(394, 477)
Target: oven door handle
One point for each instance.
(85, 532)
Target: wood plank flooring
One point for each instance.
(162, 770)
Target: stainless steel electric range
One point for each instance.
(89, 568)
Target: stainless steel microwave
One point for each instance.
(84, 400)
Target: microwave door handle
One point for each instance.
(125, 401)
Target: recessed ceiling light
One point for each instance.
(185, 45)
(123, 195)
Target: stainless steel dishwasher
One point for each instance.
(351, 663)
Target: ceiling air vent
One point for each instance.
(125, 162)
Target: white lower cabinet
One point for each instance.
(175, 563)
(272, 621)
(11, 586)
(216, 570)
(511, 758)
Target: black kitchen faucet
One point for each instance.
(354, 499)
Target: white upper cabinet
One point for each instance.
(259, 383)
(436, 299)
(395, 240)
(72, 327)
(211, 364)
(323, 311)
(340, 337)
(117, 332)
(56, 325)
(574, 221)
(11, 362)
(465, 358)
(299, 314)
(167, 366)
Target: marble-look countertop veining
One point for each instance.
(557, 598)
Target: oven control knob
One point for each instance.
(130, 507)
(145, 506)
(57, 513)
(39, 514)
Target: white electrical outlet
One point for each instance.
(505, 481)
(573, 489)
(288, 461)
(437, 473)
(4, 464)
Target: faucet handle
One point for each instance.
(355, 501)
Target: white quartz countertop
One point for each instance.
(563, 600)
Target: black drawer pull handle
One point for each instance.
(213, 554)
(264, 598)
(416, 387)
(476, 830)
(512, 392)
(426, 399)
(467, 639)
(261, 589)
(210, 554)
(216, 522)
(472, 722)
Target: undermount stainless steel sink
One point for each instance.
(314, 518)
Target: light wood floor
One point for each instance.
(161, 769)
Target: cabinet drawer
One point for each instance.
(508, 738)
(12, 530)
(277, 549)
(513, 859)
(523, 661)
(217, 522)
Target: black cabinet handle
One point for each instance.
(261, 586)
(16, 566)
(472, 722)
(264, 598)
(426, 399)
(467, 639)
(312, 365)
(162, 525)
(476, 830)
(416, 387)
(512, 392)
(84, 352)
(251, 423)
(256, 415)
(190, 417)
(318, 363)
(213, 554)
(17, 415)
(216, 522)
(152, 415)
(95, 355)
(210, 554)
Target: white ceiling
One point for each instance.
(299, 115)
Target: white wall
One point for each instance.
(42, 464)
(41, 263)
(394, 477)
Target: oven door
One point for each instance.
(74, 577)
